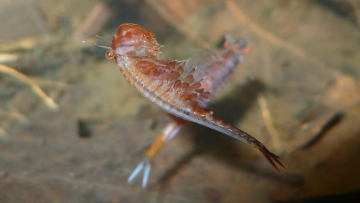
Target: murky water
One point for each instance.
(303, 63)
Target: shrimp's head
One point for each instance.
(132, 40)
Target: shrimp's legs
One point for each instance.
(167, 134)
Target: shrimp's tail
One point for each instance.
(236, 44)
(272, 158)
(226, 128)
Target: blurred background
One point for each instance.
(297, 91)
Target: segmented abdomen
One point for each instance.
(167, 80)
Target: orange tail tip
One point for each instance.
(226, 44)
(246, 50)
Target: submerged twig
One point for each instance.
(356, 6)
(168, 16)
(274, 40)
(14, 114)
(50, 83)
(93, 23)
(49, 102)
(268, 121)
(327, 126)
(8, 57)
(242, 17)
(263, 33)
(3, 133)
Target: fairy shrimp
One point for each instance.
(185, 95)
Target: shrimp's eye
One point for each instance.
(109, 54)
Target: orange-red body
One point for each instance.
(167, 84)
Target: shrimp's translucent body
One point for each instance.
(184, 95)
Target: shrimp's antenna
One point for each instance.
(105, 47)
(103, 39)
